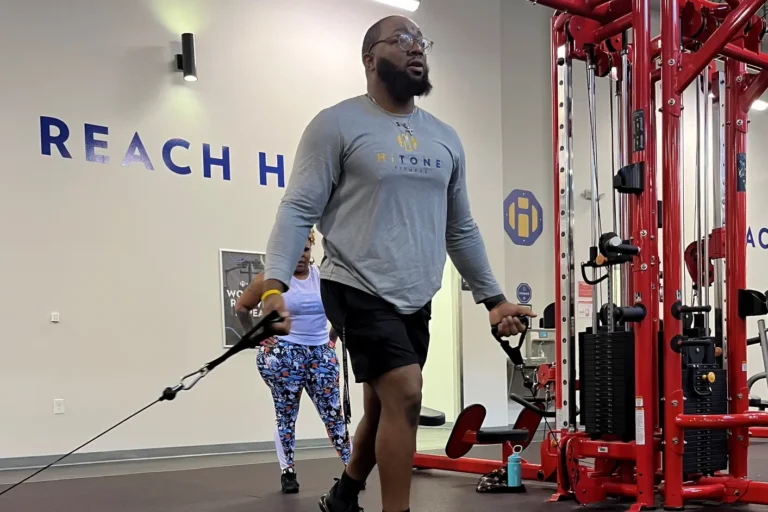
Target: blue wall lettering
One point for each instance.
(762, 238)
(55, 133)
(167, 148)
(48, 139)
(265, 169)
(92, 144)
(131, 155)
(209, 161)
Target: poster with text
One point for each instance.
(584, 301)
(237, 269)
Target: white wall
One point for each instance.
(129, 257)
(527, 141)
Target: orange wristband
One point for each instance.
(270, 292)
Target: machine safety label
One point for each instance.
(640, 427)
(744, 366)
(638, 401)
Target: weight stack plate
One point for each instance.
(706, 450)
(607, 380)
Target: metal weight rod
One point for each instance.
(594, 200)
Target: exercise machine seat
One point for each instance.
(501, 435)
(431, 418)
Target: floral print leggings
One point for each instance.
(289, 368)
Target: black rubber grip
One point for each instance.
(678, 310)
(523, 319)
(630, 250)
(532, 407)
(754, 341)
(631, 313)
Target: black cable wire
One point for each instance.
(79, 447)
(252, 339)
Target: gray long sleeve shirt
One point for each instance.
(389, 206)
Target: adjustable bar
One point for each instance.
(620, 489)
(759, 60)
(733, 22)
(613, 28)
(678, 310)
(722, 421)
(604, 13)
(678, 342)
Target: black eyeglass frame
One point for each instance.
(425, 44)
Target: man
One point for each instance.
(387, 184)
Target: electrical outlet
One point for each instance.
(58, 406)
(55, 318)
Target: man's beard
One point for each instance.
(399, 83)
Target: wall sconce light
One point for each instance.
(185, 61)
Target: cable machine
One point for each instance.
(661, 371)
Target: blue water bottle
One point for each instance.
(514, 468)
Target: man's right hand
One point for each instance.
(275, 302)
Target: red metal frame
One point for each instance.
(736, 274)
(671, 221)
(634, 469)
(642, 208)
(708, 30)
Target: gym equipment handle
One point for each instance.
(678, 310)
(514, 353)
(678, 342)
(631, 313)
(754, 341)
(532, 407)
(523, 320)
(252, 339)
(612, 244)
(630, 250)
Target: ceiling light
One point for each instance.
(759, 105)
(408, 5)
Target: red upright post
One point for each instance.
(736, 257)
(673, 396)
(653, 310)
(642, 207)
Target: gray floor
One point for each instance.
(241, 483)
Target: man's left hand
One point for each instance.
(507, 317)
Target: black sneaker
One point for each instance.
(288, 481)
(329, 503)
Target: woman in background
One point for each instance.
(304, 359)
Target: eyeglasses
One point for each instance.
(406, 42)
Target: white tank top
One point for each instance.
(309, 325)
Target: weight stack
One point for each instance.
(607, 380)
(706, 450)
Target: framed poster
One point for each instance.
(237, 269)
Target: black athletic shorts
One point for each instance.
(378, 338)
